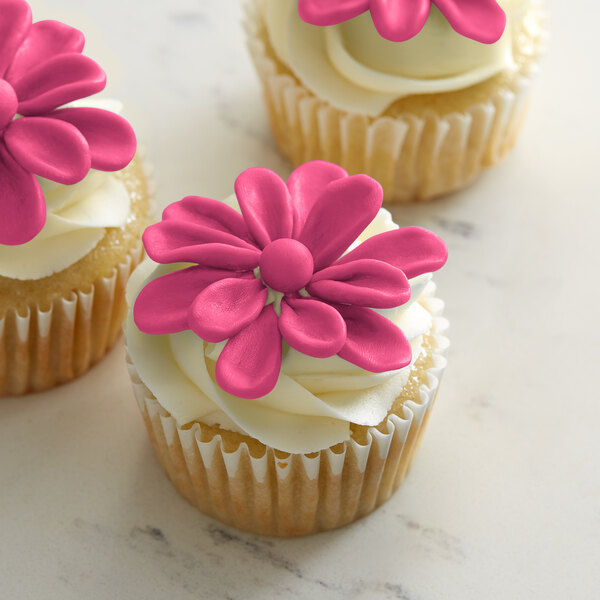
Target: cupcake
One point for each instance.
(286, 347)
(73, 201)
(421, 95)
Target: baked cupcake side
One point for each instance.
(265, 362)
(424, 116)
(74, 203)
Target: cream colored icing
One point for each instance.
(356, 70)
(314, 401)
(77, 218)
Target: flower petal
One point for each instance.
(15, 22)
(110, 137)
(343, 210)
(328, 12)
(224, 308)
(59, 80)
(49, 148)
(265, 203)
(306, 183)
(208, 213)
(312, 327)
(414, 250)
(163, 305)
(45, 39)
(399, 20)
(481, 20)
(22, 206)
(364, 282)
(373, 342)
(176, 241)
(250, 363)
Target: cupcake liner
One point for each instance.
(415, 158)
(49, 345)
(275, 493)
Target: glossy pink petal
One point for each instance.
(414, 250)
(163, 304)
(339, 216)
(22, 205)
(59, 80)
(8, 104)
(312, 327)
(224, 308)
(306, 183)
(250, 363)
(399, 20)
(363, 282)
(480, 20)
(208, 213)
(176, 241)
(373, 342)
(45, 39)
(330, 12)
(265, 203)
(110, 137)
(52, 149)
(15, 22)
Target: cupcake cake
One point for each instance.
(73, 201)
(420, 94)
(286, 347)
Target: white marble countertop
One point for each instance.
(504, 499)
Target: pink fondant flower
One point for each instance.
(289, 238)
(41, 69)
(400, 20)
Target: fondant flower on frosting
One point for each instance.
(400, 20)
(42, 69)
(277, 271)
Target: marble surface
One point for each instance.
(504, 499)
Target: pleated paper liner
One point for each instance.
(45, 346)
(415, 157)
(46, 342)
(265, 491)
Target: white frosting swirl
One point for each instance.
(314, 401)
(77, 218)
(356, 70)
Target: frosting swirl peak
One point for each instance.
(354, 68)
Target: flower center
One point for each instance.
(286, 265)
(8, 103)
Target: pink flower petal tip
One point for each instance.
(400, 20)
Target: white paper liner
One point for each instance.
(414, 158)
(43, 348)
(284, 494)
